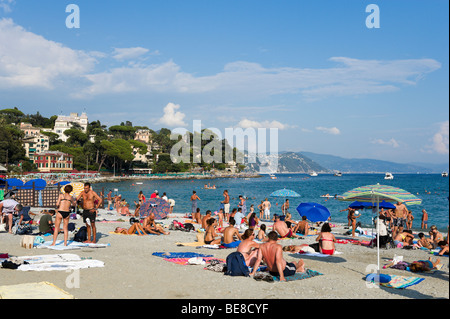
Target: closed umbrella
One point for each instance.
(157, 206)
(376, 193)
(314, 212)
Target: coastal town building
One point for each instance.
(33, 141)
(63, 123)
(53, 161)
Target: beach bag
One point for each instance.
(2, 227)
(27, 242)
(176, 225)
(236, 265)
(188, 227)
(23, 230)
(71, 227)
(81, 235)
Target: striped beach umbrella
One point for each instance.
(158, 206)
(369, 194)
(78, 187)
(375, 194)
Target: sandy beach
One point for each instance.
(131, 271)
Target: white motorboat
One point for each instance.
(444, 174)
(338, 174)
(388, 176)
(313, 174)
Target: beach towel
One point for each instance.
(193, 244)
(189, 261)
(179, 255)
(62, 266)
(71, 245)
(46, 258)
(316, 254)
(401, 282)
(300, 275)
(42, 290)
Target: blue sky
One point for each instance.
(310, 68)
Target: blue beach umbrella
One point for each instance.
(314, 212)
(357, 205)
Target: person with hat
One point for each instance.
(155, 194)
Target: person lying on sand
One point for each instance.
(136, 227)
(272, 254)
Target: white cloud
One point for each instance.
(392, 142)
(5, 5)
(440, 139)
(331, 130)
(245, 123)
(171, 117)
(121, 54)
(29, 60)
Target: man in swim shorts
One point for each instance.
(226, 204)
(281, 228)
(266, 205)
(90, 199)
(272, 254)
(229, 234)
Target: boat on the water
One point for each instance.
(313, 174)
(444, 174)
(338, 174)
(388, 176)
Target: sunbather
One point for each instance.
(248, 247)
(210, 233)
(136, 227)
(423, 265)
(150, 226)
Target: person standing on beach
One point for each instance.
(400, 214)
(424, 224)
(64, 204)
(109, 199)
(242, 205)
(90, 211)
(272, 254)
(226, 205)
(285, 207)
(409, 220)
(194, 199)
(266, 205)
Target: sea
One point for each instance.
(433, 189)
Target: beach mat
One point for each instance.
(71, 245)
(179, 255)
(42, 290)
(299, 275)
(402, 282)
(319, 254)
(185, 261)
(63, 265)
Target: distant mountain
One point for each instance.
(288, 162)
(345, 165)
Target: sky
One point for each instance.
(325, 73)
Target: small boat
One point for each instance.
(388, 176)
(272, 176)
(313, 174)
(444, 174)
(338, 174)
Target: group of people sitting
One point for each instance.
(149, 226)
(405, 238)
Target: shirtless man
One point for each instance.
(90, 210)
(228, 236)
(424, 224)
(226, 204)
(303, 226)
(400, 214)
(266, 205)
(435, 236)
(272, 254)
(152, 227)
(281, 228)
(285, 207)
(205, 219)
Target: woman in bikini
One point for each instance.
(136, 227)
(262, 233)
(253, 221)
(248, 247)
(210, 233)
(326, 240)
(64, 203)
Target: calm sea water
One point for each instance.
(433, 189)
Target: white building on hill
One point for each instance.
(64, 123)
